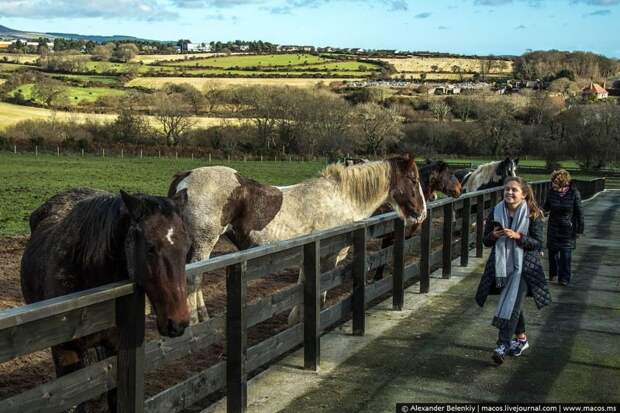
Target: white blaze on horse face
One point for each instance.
(169, 236)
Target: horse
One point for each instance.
(221, 201)
(488, 175)
(436, 176)
(84, 238)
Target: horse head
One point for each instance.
(156, 248)
(406, 195)
(506, 168)
(442, 179)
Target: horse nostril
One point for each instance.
(176, 329)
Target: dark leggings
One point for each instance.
(516, 325)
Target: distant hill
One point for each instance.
(8, 33)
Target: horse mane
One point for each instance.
(362, 183)
(96, 221)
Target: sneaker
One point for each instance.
(563, 283)
(518, 346)
(499, 353)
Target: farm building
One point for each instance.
(595, 90)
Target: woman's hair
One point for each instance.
(535, 211)
(561, 177)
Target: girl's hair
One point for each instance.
(560, 177)
(535, 211)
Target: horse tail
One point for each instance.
(175, 182)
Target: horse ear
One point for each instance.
(517, 161)
(133, 205)
(180, 198)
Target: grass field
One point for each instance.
(253, 60)
(159, 82)
(13, 67)
(75, 94)
(445, 64)
(29, 181)
(107, 80)
(11, 114)
(19, 58)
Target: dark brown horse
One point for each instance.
(435, 176)
(82, 238)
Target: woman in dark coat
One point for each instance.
(514, 229)
(565, 221)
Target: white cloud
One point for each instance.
(130, 9)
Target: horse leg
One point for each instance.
(195, 299)
(296, 313)
(67, 358)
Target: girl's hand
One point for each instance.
(512, 234)
(498, 233)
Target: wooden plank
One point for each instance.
(67, 391)
(183, 395)
(334, 278)
(130, 373)
(381, 228)
(447, 241)
(336, 313)
(270, 349)
(274, 304)
(398, 296)
(196, 338)
(359, 281)
(269, 264)
(312, 306)
(379, 288)
(42, 333)
(48, 308)
(236, 339)
(425, 251)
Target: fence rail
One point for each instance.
(36, 326)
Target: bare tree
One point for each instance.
(440, 110)
(377, 127)
(173, 115)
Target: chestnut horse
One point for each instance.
(220, 200)
(83, 238)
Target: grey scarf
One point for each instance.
(509, 257)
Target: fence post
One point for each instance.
(57, 150)
(465, 228)
(479, 224)
(192, 156)
(36, 151)
(359, 281)
(425, 252)
(159, 153)
(236, 339)
(493, 199)
(140, 153)
(312, 306)
(446, 267)
(398, 287)
(130, 370)
(122, 153)
(103, 152)
(176, 154)
(209, 158)
(82, 152)
(15, 149)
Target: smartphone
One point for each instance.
(497, 225)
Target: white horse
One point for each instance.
(220, 200)
(488, 175)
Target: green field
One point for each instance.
(29, 181)
(75, 94)
(252, 60)
(107, 80)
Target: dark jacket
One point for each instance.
(565, 218)
(532, 270)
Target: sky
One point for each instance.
(483, 27)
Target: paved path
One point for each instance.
(439, 347)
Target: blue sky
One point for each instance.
(465, 26)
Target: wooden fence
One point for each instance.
(38, 326)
